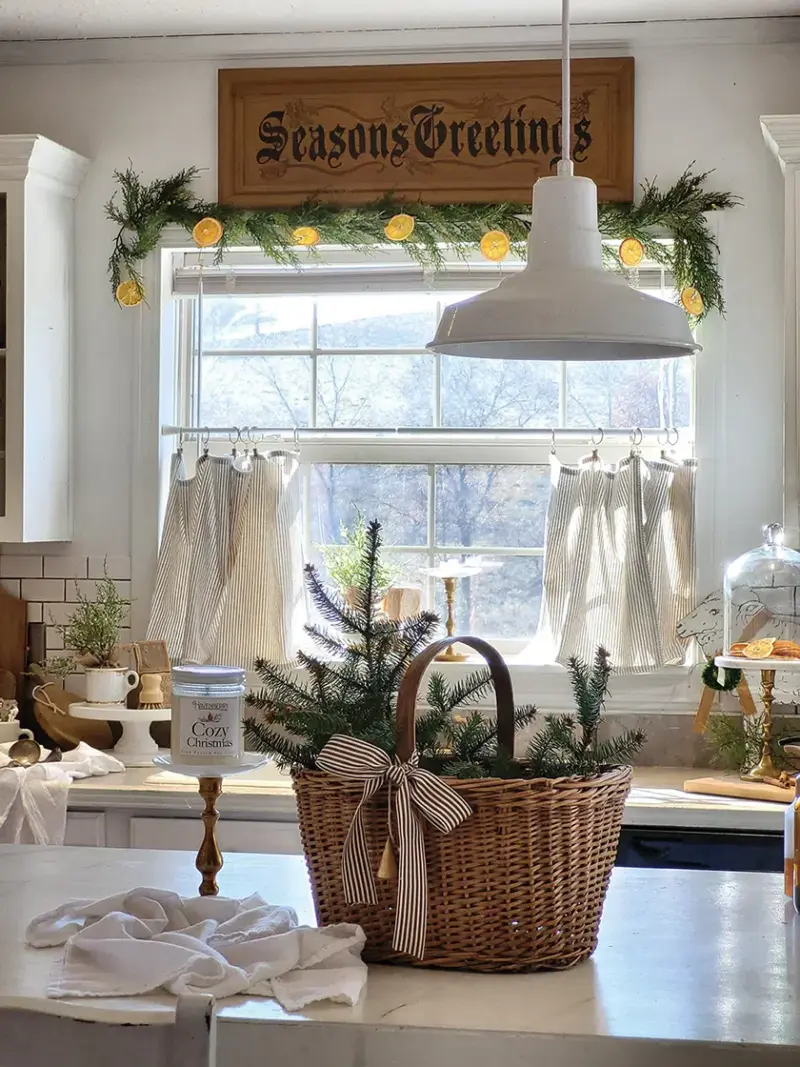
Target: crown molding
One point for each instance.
(24, 156)
(347, 46)
(782, 134)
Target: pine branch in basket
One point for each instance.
(350, 683)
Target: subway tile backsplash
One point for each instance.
(50, 585)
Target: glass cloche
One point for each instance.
(761, 601)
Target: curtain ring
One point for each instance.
(296, 440)
(180, 442)
(666, 440)
(636, 439)
(673, 430)
(552, 442)
(205, 440)
(596, 444)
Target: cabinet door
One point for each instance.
(281, 838)
(85, 828)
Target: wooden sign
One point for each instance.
(440, 133)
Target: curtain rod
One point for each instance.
(291, 433)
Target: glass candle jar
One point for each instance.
(207, 715)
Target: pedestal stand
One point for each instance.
(209, 778)
(135, 748)
(765, 768)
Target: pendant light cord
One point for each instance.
(565, 163)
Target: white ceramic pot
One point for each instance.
(9, 731)
(109, 685)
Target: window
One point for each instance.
(338, 350)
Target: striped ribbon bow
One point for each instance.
(414, 791)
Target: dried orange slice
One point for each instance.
(631, 252)
(307, 236)
(129, 293)
(691, 300)
(207, 232)
(761, 649)
(399, 227)
(495, 245)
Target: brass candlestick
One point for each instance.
(765, 768)
(450, 655)
(209, 859)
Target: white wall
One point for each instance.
(697, 102)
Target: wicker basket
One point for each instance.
(518, 886)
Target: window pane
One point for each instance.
(651, 392)
(501, 602)
(375, 390)
(274, 322)
(255, 391)
(395, 494)
(490, 505)
(511, 393)
(376, 320)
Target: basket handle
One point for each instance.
(409, 687)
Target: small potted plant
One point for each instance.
(92, 632)
(345, 566)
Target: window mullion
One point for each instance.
(312, 414)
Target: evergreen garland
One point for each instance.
(352, 689)
(142, 211)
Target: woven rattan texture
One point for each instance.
(518, 886)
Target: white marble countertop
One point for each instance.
(705, 960)
(656, 800)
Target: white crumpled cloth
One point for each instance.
(33, 800)
(144, 940)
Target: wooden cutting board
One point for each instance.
(13, 635)
(730, 787)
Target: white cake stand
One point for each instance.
(209, 776)
(135, 748)
(765, 767)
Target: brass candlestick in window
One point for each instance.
(450, 571)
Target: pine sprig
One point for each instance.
(143, 211)
(570, 745)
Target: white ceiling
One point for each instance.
(70, 19)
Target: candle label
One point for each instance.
(209, 726)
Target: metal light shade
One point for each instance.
(564, 305)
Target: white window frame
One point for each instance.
(672, 690)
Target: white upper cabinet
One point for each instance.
(39, 181)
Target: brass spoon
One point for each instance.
(25, 752)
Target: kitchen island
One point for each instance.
(693, 967)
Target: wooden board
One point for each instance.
(439, 133)
(731, 787)
(13, 635)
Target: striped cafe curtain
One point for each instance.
(619, 561)
(229, 582)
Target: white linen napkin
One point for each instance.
(33, 800)
(147, 939)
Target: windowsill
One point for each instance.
(669, 691)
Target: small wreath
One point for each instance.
(711, 680)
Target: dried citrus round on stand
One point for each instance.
(495, 245)
(129, 293)
(759, 649)
(691, 300)
(207, 232)
(306, 236)
(631, 252)
(399, 227)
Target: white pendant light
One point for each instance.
(564, 305)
